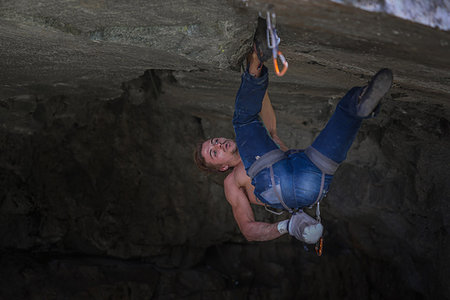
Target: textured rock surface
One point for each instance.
(94, 45)
(101, 103)
(431, 13)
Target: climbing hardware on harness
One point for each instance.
(273, 41)
(319, 246)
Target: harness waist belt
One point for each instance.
(265, 161)
(325, 164)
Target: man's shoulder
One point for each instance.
(238, 177)
(234, 186)
(230, 180)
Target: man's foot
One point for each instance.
(260, 41)
(374, 92)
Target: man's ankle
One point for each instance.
(254, 65)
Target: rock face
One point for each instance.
(431, 13)
(102, 103)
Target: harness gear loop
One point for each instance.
(273, 41)
(278, 213)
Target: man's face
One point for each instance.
(220, 152)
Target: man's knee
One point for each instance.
(245, 119)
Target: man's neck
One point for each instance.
(236, 161)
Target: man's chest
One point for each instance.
(249, 191)
(245, 184)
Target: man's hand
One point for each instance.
(305, 228)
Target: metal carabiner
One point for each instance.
(273, 41)
(272, 38)
(275, 64)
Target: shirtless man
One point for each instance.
(223, 154)
(301, 178)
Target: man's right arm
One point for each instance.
(269, 119)
(243, 214)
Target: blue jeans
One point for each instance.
(296, 177)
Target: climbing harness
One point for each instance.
(273, 41)
(326, 165)
(278, 213)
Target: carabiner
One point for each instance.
(272, 38)
(275, 64)
(273, 41)
(319, 246)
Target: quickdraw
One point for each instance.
(319, 246)
(273, 41)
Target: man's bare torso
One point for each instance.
(239, 194)
(240, 179)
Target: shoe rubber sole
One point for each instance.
(378, 87)
(260, 40)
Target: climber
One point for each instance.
(264, 172)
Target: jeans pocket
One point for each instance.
(269, 192)
(271, 195)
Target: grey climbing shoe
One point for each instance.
(373, 93)
(260, 41)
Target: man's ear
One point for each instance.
(223, 168)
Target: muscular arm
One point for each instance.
(243, 214)
(270, 121)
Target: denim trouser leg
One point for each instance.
(252, 138)
(299, 178)
(336, 138)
